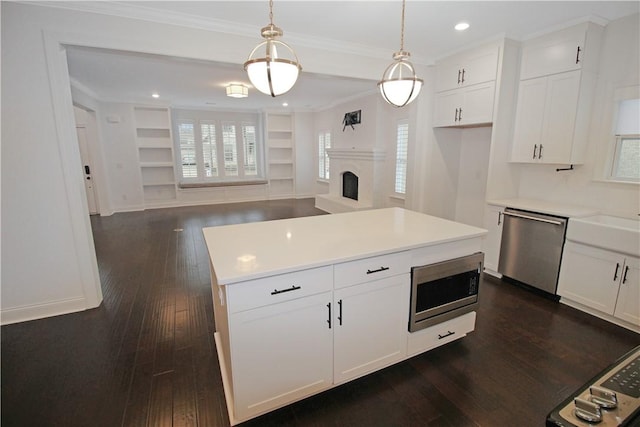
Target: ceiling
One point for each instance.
(372, 27)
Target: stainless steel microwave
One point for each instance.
(444, 290)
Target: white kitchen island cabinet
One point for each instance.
(305, 304)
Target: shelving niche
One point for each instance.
(280, 155)
(155, 154)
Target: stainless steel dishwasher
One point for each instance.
(531, 248)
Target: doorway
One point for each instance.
(86, 141)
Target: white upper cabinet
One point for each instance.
(467, 69)
(546, 115)
(570, 49)
(472, 106)
(465, 88)
(555, 96)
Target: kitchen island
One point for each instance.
(305, 304)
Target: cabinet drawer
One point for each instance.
(441, 333)
(283, 287)
(365, 270)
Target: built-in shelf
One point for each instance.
(155, 154)
(280, 155)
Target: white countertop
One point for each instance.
(249, 251)
(542, 206)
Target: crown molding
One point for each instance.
(145, 13)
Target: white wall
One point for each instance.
(619, 67)
(48, 258)
(306, 154)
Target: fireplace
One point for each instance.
(356, 180)
(350, 185)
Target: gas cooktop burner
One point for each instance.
(612, 398)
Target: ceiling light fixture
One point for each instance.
(399, 85)
(273, 74)
(155, 95)
(237, 90)
(461, 26)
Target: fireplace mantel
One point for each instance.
(368, 165)
(362, 154)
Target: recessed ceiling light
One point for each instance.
(461, 26)
(285, 104)
(155, 95)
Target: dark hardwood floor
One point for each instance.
(146, 356)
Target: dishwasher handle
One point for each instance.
(534, 218)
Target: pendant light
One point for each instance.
(399, 85)
(276, 72)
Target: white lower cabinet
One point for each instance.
(370, 326)
(442, 333)
(493, 219)
(286, 337)
(280, 353)
(604, 280)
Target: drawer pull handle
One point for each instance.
(624, 278)
(329, 319)
(378, 270)
(448, 334)
(340, 312)
(615, 274)
(292, 288)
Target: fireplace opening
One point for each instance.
(350, 185)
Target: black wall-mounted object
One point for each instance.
(350, 119)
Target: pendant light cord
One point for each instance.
(271, 12)
(401, 29)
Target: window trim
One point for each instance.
(617, 146)
(323, 134)
(606, 148)
(240, 121)
(395, 193)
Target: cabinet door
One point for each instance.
(554, 53)
(491, 243)
(628, 304)
(477, 107)
(370, 326)
(446, 108)
(529, 120)
(480, 67)
(590, 276)
(448, 75)
(559, 117)
(280, 353)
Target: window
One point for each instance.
(324, 143)
(626, 158)
(218, 147)
(402, 142)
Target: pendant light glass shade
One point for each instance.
(276, 71)
(400, 85)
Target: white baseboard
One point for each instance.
(40, 311)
